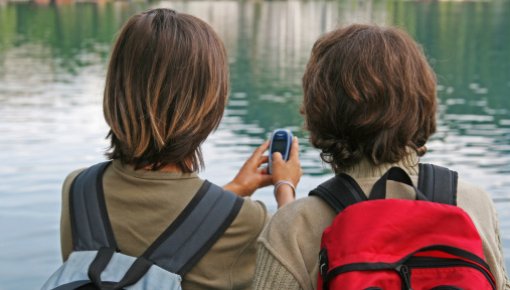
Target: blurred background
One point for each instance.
(53, 58)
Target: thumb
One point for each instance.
(265, 180)
(277, 157)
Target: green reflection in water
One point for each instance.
(60, 34)
(468, 44)
(268, 43)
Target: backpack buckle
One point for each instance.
(405, 275)
(323, 264)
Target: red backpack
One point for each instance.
(376, 243)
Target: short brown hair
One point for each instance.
(368, 93)
(166, 89)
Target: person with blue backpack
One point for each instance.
(385, 220)
(145, 219)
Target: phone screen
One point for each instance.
(279, 146)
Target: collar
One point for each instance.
(148, 174)
(365, 168)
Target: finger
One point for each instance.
(257, 153)
(261, 149)
(294, 150)
(277, 157)
(263, 171)
(262, 160)
(266, 180)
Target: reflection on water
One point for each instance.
(52, 67)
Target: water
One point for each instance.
(52, 67)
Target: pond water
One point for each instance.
(52, 68)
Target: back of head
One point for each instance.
(368, 93)
(166, 89)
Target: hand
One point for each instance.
(251, 177)
(286, 170)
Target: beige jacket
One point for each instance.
(141, 204)
(289, 246)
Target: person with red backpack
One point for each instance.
(385, 220)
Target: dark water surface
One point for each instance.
(52, 68)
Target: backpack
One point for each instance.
(97, 263)
(376, 243)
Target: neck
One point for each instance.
(366, 169)
(172, 168)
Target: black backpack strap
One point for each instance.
(339, 192)
(196, 229)
(90, 225)
(202, 222)
(438, 184)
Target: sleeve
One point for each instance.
(480, 207)
(271, 274)
(289, 244)
(494, 251)
(505, 282)
(254, 217)
(230, 263)
(66, 240)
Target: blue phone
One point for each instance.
(281, 141)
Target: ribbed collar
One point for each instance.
(147, 174)
(365, 169)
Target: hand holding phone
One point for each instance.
(281, 141)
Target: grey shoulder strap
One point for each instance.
(196, 229)
(438, 184)
(90, 225)
(179, 247)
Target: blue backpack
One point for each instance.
(97, 263)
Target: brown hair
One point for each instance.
(368, 93)
(166, 89)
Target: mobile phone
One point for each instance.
(281, 141)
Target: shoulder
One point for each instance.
(248, 222)
(293, 237)
(302, 210)
(68, 182)
(251, 219)
(65, 223)
(231, 260)
(476, 202)
(468, 193)
(304, 218)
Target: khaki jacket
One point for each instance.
(142, 204)
(289, 246)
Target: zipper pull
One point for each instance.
(323, 264)
(405, 274)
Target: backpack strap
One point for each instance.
(90, 225)
(196, 229)
(202, 222)
(185, 241)
(438, 184)
(339, 192)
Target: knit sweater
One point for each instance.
(288, 248)
(141, 204)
